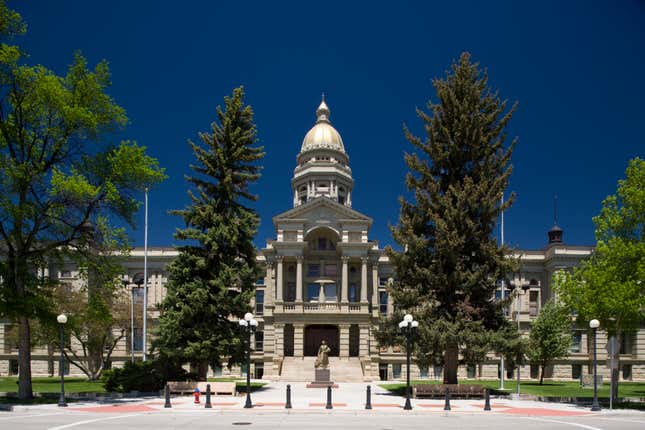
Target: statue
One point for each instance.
(322, 360)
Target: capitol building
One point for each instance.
(325, 278)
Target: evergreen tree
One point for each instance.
(451, 264)
(213, 277)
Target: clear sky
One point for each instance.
(577, 69)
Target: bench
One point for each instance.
(217, 388)
(455, 390)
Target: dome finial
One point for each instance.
(322, 113)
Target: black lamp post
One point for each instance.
(407, 326)
(595, 406)
(62, 320)
(248, 324)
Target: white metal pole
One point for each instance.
(145, 278)
(501, 362)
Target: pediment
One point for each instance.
(324, 211)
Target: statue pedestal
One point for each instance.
(322, 377)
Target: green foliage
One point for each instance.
(550, 337)
(145, 376)
(610, 286)
(448, 272)
(213, 277)
(58, 174)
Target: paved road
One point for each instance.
(309, 413)
(336, 419)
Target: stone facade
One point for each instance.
(325, 278)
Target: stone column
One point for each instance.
(298, 339)
(279, 280)
(343, 351)
(364, 280)
(375, 282)
(344, 281)
(299, 278)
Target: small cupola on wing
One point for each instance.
(323, 165)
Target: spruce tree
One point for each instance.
(451, 263)
(213, 277)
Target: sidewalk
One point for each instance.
(349, 397)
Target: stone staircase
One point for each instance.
(301, 369)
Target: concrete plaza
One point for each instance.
(309, 412)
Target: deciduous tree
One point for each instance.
(59, 171)
(550, 336)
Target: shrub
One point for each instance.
(146, 376)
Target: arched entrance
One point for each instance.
(315, 334)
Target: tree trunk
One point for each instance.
(451, 364)
(203, 370)
(24, 359)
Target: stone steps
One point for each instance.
(301, 369)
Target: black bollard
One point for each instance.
(329, 405)
(487, 397)
(447, 406)
(208, 405)
(167, 393)
(368, 402)
(288, 404)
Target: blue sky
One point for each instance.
(577, 69)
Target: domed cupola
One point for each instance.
(322, 135)
(323, 165)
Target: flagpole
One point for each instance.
(145, 278)
(502, 369)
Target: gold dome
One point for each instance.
(322, 135)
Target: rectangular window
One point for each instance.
(312, 292)
(259, 281)
(471, 371)
(259, 302)
(13, 367)
(352, 293)
(258, 370)
(438, 371)
(534, 303)
(627, 372)
(576, 341)
(330, 293)
(217, 371)
(313, 270)
(331, 270)
(65, 367)
(138, 339)
(382, 296)
(382, 371)
(290, 294)
(396, 370)
(626, 344)
(423, 372)
(576, 371)
(259, 340)
(535, 371)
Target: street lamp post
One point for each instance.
(521, 291)
(407, 326)
(595, 406)
(62, 320)
(248, 324)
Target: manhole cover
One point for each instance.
(242, 424)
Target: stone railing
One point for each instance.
(320, 307)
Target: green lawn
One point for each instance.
(52, 385)
(548, 389)
(240, 384)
